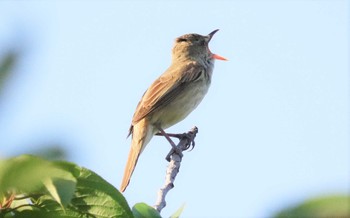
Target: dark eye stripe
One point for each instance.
(181, 40)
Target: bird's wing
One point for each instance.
(165, 89)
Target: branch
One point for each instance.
(186, 140)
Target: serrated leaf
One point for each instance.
(70, 190)
(178, 212)
(93, 197)
(99, 198)
(142, 210)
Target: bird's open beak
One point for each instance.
(210, 35)
(215, 56)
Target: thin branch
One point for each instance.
(22, 205)
(28, 196)
(186, 141)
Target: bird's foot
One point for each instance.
(183, 136)
(190, 143)
(186, 141)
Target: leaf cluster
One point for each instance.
(33, 187)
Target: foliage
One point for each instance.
(178, 212)
(34, 187)
(330, 206)
(142, 210)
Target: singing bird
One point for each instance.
(174, 95)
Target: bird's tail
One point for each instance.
(142, 134)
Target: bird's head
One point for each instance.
(194, 46)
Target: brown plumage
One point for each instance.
(175, 94)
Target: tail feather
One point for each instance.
(141, 135)
(133, 157)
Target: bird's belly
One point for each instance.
(181, 106)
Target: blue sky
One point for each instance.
(273, 129)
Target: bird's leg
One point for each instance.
(181, 136)
(174, 147)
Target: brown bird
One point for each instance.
(174, 95)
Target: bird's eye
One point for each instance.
(181, 40)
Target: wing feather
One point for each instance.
(165, 89)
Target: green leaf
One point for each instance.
(62, 185)
(142, 210)
(31, 214)
(93, 196)
(178, 212)
(328, 206)
(102, 198)
(24, 174)
(59, 189)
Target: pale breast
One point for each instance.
(183, 104)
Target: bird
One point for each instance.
(173, 96)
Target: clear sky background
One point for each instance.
(273, 129)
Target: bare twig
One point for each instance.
(186, 141)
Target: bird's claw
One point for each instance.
(191, 143)
(184, 136)
(190, 140)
